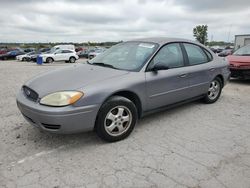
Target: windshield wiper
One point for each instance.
(103, 65)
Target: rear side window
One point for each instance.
(195, 54)
(66, 51)
(209, 55)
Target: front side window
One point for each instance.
(195, 54)
(129, 56)
(169, 56)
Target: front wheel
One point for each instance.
(214, 91)
(116, 119)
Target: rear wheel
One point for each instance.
(49, 60)
(91, 57)
(72, 59)
(116, 119)
(214, 91)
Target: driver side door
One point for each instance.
(165, 87)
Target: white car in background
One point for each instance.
(60, 55)
(63, 47)
(25, 57)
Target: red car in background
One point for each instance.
(240, 63)
(3, 50)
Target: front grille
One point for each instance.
(51, 126)
(29, 93)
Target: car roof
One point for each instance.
(164, 40)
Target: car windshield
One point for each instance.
(129, 56)
(30, 53)
(244, 51)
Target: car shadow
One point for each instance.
(41, 140)
(240, 81)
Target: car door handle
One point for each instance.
(183, 76)
(212, 69)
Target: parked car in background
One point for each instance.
(79, 49)
(25, 57)
(85, 53)
(34, 56)
(27, 50)
(59, 55)
(3, 51)
(11, 54)
(126, 82)
(42, 50)
(63, 47)
(225, 52)
(96, 52)
(240, 63)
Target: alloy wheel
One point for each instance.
(118, 120)
(214, 90)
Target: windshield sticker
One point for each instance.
(146, 45)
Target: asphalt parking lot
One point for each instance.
(194, 145)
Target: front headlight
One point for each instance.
(62, 98)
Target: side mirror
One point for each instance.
(159, 66)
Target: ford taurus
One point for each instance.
(130, 80)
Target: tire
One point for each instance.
(72, 59)
(214, 91)
(23, 59)
(116, 119)
(49, 60)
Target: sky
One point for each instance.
(115, 20)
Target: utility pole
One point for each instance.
(229, 33)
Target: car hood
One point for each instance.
(72, 78)
(238, 59)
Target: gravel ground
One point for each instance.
(195, 145)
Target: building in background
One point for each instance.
(241, 40)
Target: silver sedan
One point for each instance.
(128, 81)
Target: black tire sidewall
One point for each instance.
(105, 108)
(207, 99)
(72, 58)
(47, 60)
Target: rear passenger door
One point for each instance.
(58, 55)
(200, 68)
(66, 54)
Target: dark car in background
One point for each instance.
(240, 63)
(34, 56)
(3, 51)
(96, 52)
(85, 53)
(226, 53)
(11, 54)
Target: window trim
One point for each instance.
(202, 48)
(185, 63)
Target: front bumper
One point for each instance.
(62, 120)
